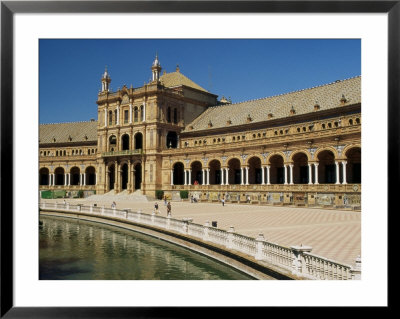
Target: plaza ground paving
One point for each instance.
(334, 234)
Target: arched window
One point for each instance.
(175, 116)
(126, 116)
(135, 114)
(138, 141)
(110, 116)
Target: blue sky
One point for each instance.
(242, 69)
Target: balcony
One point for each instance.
(123, 153)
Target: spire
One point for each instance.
(156, 69)
(105, 81)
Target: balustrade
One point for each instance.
(297, 259)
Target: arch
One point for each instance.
(124, 176)
(300, 167)
(277, 173)
(349, 147)
(125, 142)
(112, 143)
(253, 156)
(326, 167)
(197, 172)
(90, 172)
(281, 154)
(138, 141)
(326, 148)
(44, 176)
(255, 175)
(305, 152)
(59, 174)
(172, 139)
(234, 173)
(215, 172)
(75, 173)
(178, 173)
(353, 166)
(138, 175)
(111, 177)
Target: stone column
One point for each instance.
(247, 175)
(316, 173)
(130, 113)
(262, 175)
(285, 171)
(291, 174)
(54, 179)
(95, 178)
(309, 174)
(337, 173)
(69, 179)
(222, 176)
(268, 175)
(50, 175)
(80, 179)
(208, 176)
(259, 247)
(185, 177)
(190, 177)
(144, 111)
(241, 176)
(227, 176)
(344, 172)
(105, 117)
(116, 173)
(84, 179)
(172, 177)
(117, 122)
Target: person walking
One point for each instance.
(165, 200)
(223, 201)
(156, 208)
(169, 209)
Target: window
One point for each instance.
(141, 113)
(126, 115)
(110, 116)
(175, 116)
(169, 114)
(135, 114)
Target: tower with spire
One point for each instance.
(156, 69)
(105, 81)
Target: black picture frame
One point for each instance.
(9, 8)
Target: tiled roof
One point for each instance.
(63, 131)
(327, 96)
(176, 79)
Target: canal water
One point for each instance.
(74, 249)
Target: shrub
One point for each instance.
(159, 194)
(184, 194)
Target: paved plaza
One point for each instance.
(334, 234)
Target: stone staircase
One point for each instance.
(111, 196)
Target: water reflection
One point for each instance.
(73, 249)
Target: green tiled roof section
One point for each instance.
(327, 96)
(176, 79)
(62, 131)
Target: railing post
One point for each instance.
(91, 208)
(67, 206)
(185, 226)
(229, 243)
(206, 227)
(102, 210)
(298, 258)
(139, 212)
(114, 213)
(152, 217)
(126, 213)
(259, 246)
(44, 204)
(168, 222)
(356, 271)
(78, 207)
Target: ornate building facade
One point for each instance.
(299, 148)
